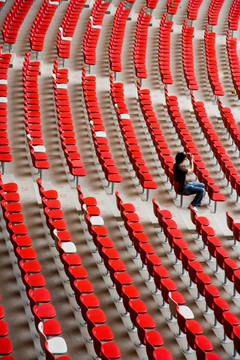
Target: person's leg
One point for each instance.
(195, 188)
(199, 190)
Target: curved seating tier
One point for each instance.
(230, 322)
(93, 30)
(203, 282)
(172, 6)
(192, 9)
(233, 61)
(164, 50)
(233, 131)
(215, 144)
(215, 246)
(14, 20)
(67, 28)
(65, 124)
(154, 128)
(233, 16)
(41, 24)
(83, 289)
(213, 11)
(39, 297)
(121, 279)
(187, 56)
(117, 36)
(168, 288)
(129, 137)
(211, 59)
(33, 127)
(98, 130)
(140, 44)
(5, 151)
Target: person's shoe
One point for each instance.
(195, 208)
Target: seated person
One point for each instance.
(187, 188)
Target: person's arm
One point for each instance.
(190, 170)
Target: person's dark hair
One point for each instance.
(179, 158)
